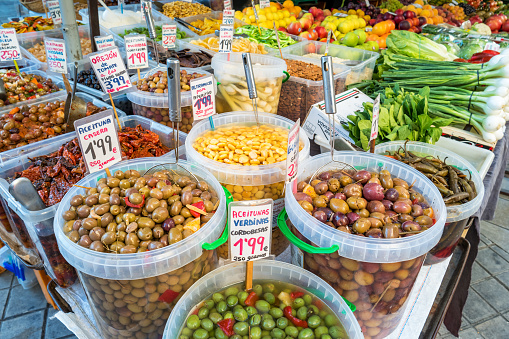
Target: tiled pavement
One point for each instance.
(25, 313)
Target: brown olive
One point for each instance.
(69, 215)
(352, 190)
(390, 231)
(74, 236)
(405, 217)
(386, 179)
(145, 233)
(374, 233)
(89, 223)
(424, 220)
(97, 246)
(174, 235)
(132, 239)
(119, 175)
(417, 211)
(152, 204)
(85, 241)
(156, 193)
(108, 238)
(96, 233)
(154, 245)
(76, 201)
(321, 187)
(103, 198)
(146, 222)
(175, 209)
(376, 223)
(91, 200)
(157, 232)
(185, 212)
(186, 198)
(337, 205)
(116, 246)
(183, 181)
(301, 185)
(361, 225)
(334, 185)
(114, 199)
(356, 203)
(102, 209)
(376, 206)
(128, 249)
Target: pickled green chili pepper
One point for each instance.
(267, 37)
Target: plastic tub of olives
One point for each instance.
(248, 182)
(132, 295)
(376, 274)
(268, 275)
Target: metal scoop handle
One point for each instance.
(149, 19)
(173, 66)
(248, 69)
(328, 84)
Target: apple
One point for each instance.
(320, 17)
(324, 40)
(282, 29)
(505, 26)
(398, 19)
(294, 28)
(404, 25)
(309, 16)
(409, 14)
(372, 22)
(321, 31)
(306, 23)
(311, 48)
(326, 13)
(422, 21)
(314, 34)
(306, 35)
(314, 10)
(399, 12)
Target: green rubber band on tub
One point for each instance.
(281, 223)
(224, 237)
(287, 76)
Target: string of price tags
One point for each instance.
(374, 125)
(228, 17)
(227, 4)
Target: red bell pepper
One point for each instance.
(251, 299)
(460, 60)
(296, 321)
(489, 51)
(199, 205)
(128, 203)
(226, 325)
(168, 296)
(295, 295)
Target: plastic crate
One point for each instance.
(25, 65)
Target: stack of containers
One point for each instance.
(155, 105)
(132, 295)
(248, 182)
(25, 65)
(457, 216)
(233, 95)
(264, 271)
(377, 275)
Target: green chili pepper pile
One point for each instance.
(159, 32)
(267, 37)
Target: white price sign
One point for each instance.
(54, 11)
(203, 97)
(264, 3)
(492, 46)
(104, 42)
(98, 138)
(225, 39)
(9, 46)
(292, 155)
(376, 114)
(227, 4)
(136, 51)
(250, 228)
(169, 36)
(228, 17)
(110, 70)
(55, 55)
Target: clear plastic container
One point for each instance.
(299, 94)
(216, 15)
(262, 270)
(25, 275)
(232, 89)
(25, 65)
(377, 275)
(270, 51)
(155, 105)
(38, 225)
(158, 16)
(361, 62)
(457, 216)
(126, 292)
(249, 182)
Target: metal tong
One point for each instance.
(149, 19)
(188, 25)
(251, 86)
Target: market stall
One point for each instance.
(192, 170)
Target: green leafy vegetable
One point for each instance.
(417, 46)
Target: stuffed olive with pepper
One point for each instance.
(271, 310)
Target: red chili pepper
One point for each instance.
(39, 86)
(226, 325)
(460, 60)
(295, 295)
(296, 321)
(489, 51)
(168, 296)
(199, 205)
(128, 203)
(251, 299)
(415, 201)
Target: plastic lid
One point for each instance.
(278, 271)
(146, 264)
(362, 248)
(238, 174)
(148, 99)
(454, 213)
(264, 66)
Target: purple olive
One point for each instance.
(352, 217)
(324, 176)
(328, 212)
(387, 204)
(376, 206)
(402, 207)
(423, 205)
(417, 211)
(410, 226)
(329, 195)
(373, 191)
(353, 190)
(391, 194)
(320, 216)
(168, 224)
(339, 219)
(340, 196)
(321, 187)
(374, 233)
(362, 176)
(303, 196)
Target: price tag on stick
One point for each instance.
(227, 4)
(292, 155)
(9, 46)
(136, 51)
(169, 36)
(374, 125)
(203, 97)
(250, 229)
(104, 42)
(54, 11)
(228, 17)
(264, 3)
(110, 70)
(55, 55)
(98, 138)
(225, 39)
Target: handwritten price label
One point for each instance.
(225, 39)
(292, 156)
(203, 97)
(136, 50)
(227, 4)
(264, 3)
(492, 46)
(110, 70)
(228, 17)
(250, 229)
(98, 140)
(54, 11)
(376, 114)
(55, 55)
(169, 36)
(9, 47)
(104, 42)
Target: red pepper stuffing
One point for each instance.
(226, 325)
(251, 299)
(295, 295)
(128, 203)
(195, 312)
(39, 86)
(168, 296)
(415, 201)
(296, 321)
(199, 205)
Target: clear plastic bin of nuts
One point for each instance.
(254, 165)
(232, 89)
(151, 98)
(374, 260)
(137, 266)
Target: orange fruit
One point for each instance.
(390, 25)
(381, 42)
(430, 21)
(380, 28)
(288, 4)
